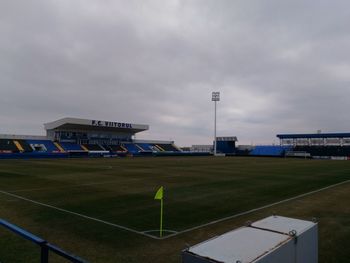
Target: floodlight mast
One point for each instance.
(215, 96)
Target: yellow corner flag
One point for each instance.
(159, 196)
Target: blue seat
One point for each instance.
(49, 145)
(131, 147)
(145, 146)
(68, 146)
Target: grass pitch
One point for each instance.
(198, 190)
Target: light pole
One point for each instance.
(215, 96)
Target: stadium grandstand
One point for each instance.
(317, 145)
(313, 145)
(83, 137)
(73, 137)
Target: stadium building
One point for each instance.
(69, 137)
(317, 144)
(73, 137)
(226, 145)
(313, 145)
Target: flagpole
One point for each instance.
(215, 97)
(161, 218)
(159, 196)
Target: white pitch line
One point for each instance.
(59, 187)
(77, 185)
(80, 215)
(157, 230)
(66, 187)
(254, 210)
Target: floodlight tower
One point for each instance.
(215, 96)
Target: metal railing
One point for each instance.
(45, 247)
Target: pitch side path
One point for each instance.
(108, 203)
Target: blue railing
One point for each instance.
(45, 247)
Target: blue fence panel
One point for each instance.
(269, 150)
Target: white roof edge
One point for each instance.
(23, 137)
(152, 141)
(79, 121)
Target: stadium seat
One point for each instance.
(42, 145)
(93, 147)
(325, 150)
(25, 146)
(167, 147)
(115, 148)
(68, 146)
(7, 145)
(131, 147)
(145, 147)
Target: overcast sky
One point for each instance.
(281, 66)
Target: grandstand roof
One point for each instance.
(314, 135)
(94, 125)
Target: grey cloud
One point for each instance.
(280, 66)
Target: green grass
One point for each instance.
(197, 190)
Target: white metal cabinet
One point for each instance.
(266, 241)
(306, 235)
